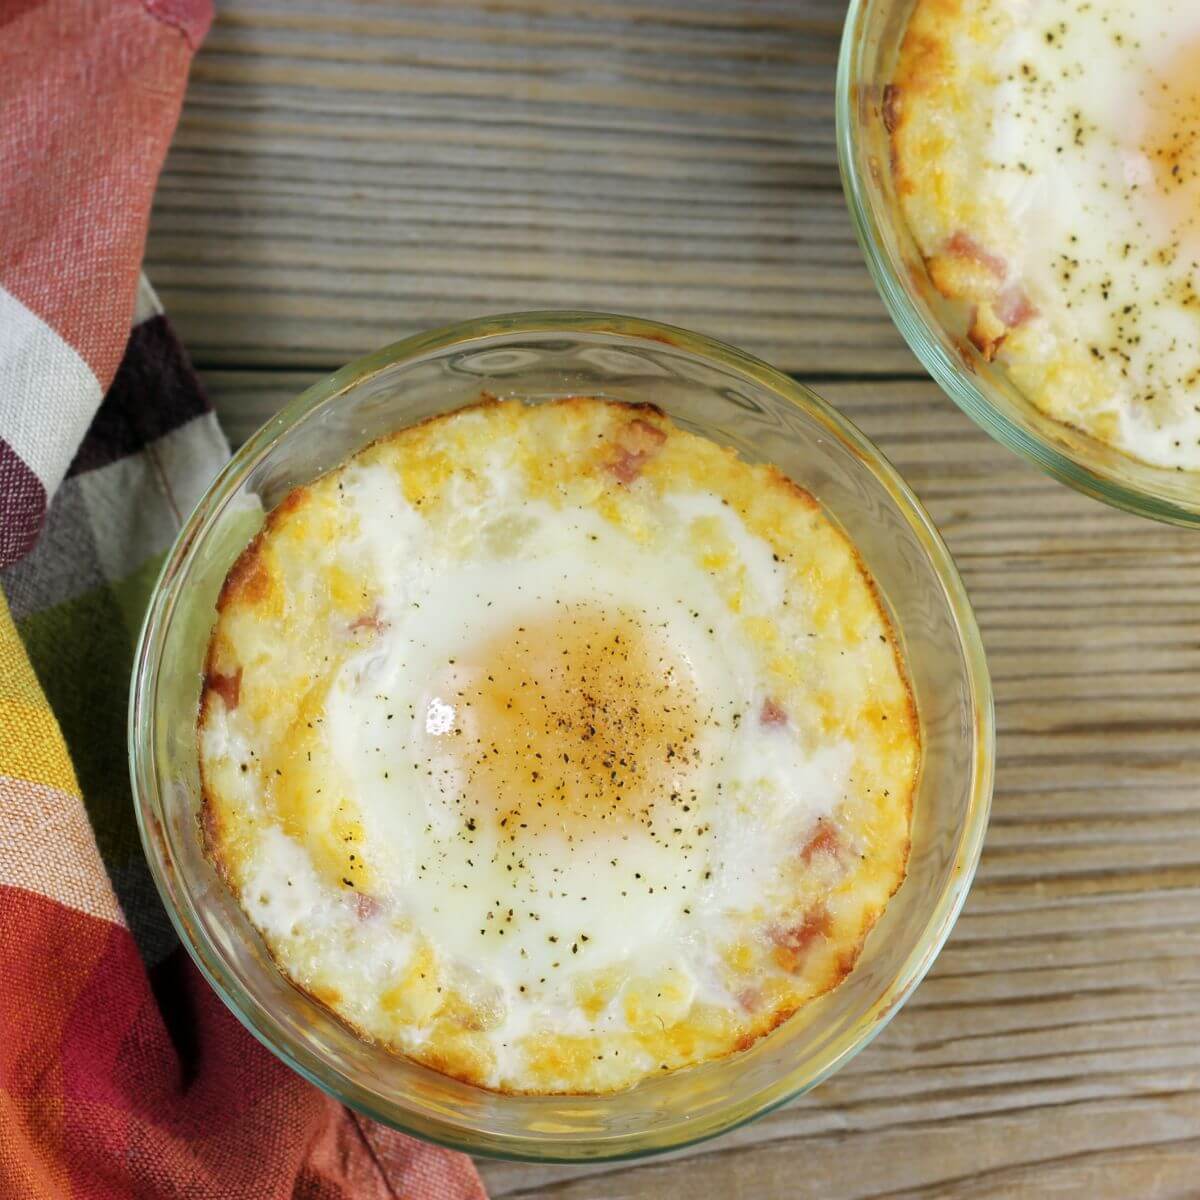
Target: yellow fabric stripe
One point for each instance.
(31, 743)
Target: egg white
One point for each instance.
(638, 900)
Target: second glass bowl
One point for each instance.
(934, 327)
(707, 388)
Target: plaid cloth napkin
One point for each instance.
(121, 1073)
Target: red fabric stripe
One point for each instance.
(10, 10)
(75, 261)
(92, 1082)
(46, 954)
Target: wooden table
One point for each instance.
(346, 173)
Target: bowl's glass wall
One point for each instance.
(934, 327)
(721, 400)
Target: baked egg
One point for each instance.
(1047, 159)
(553, 746)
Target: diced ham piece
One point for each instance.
(640, 442)
(824, 841)
(625, 465)
(800, 936)
(792, 941)
(228, 687)
(369, 621)
(1012, 306)
(963, 245)
(365, 907)
(772, 715)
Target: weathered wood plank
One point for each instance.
(346, 173)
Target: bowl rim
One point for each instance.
(889, 276)
(261, 1023)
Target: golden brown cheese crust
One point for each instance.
(844, 873)
(938, 131)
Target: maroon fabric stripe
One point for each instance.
(22, 505)
(11, 10)
(155, 390)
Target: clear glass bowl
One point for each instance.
(935, 328)
(710, 389)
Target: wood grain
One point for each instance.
(348, 172)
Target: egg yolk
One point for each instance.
(1171, 136)
(581, 723)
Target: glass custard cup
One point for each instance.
(936, 328)
(707, 388)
